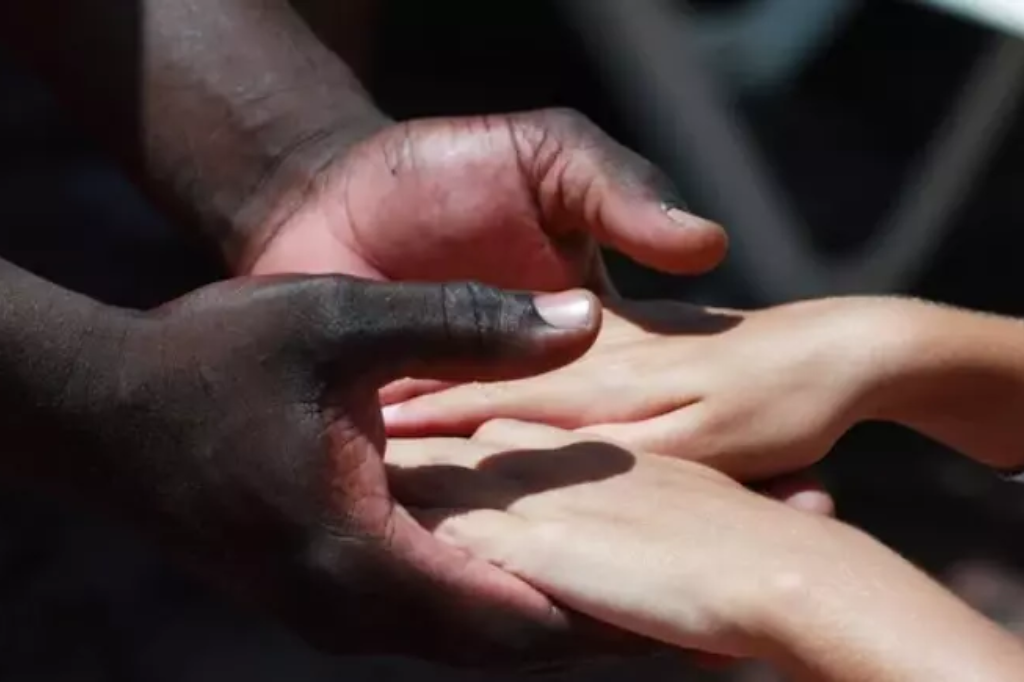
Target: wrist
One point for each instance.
(797, 595)
(244, 115)
(62, 377)
(859, 611)
(957, 377)
(883, 348)
(298, 156)
(917, 349)
(859, 344)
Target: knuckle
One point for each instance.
(397, 149)
(473, 291)
(316, 322)
(426, 453)
(509, 543)
(646, 173)
(467, 311)
(571, 129)
(331, 293)
(481, 310)
(286, 299)
(568, 119)
(548, 132)
(330, 554)
(495, 430)
(647, 178)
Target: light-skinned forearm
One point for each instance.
(226, 109)
(953, 375)
(876, 618)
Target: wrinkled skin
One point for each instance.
(241, 424)
(518, 201)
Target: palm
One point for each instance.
(517, 201)
(468, 187)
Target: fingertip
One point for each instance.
(466, 331)
(526, 434)
(817, 502)
(406, 389)
(391, 414)
(430, 416)
(564, 327)
(577, 311)
(802, 492)
(701, 244)
(666, 237)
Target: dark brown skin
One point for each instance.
(240, 426)
(235, 116)
(521, 200)
(236, 119)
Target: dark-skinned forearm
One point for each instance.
(59, 370)
(225, 109)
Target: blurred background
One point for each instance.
(849, 147)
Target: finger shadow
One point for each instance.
(672, 318)
(537, 471)
(497, 482)
(435, 492)
(500, 480)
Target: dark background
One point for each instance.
(80, 599)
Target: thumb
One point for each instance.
(457, 331)
(589, 183)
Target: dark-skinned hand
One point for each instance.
(518, 200)
(241, 425)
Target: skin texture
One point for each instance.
(757, 394)
(240, 427)
(239, 122)
(743, 391)
(284, 164)
(214, 138)
(954, 375)
(520, 200)
(681, 553)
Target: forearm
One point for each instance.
(226, 109)
(953, 375)
(58, 364)
(876, 618)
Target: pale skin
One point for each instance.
(760, 393)
(680, 553)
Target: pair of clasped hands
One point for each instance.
(315, 434)
(327, 445)
(642, 480)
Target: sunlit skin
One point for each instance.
(761, 393)
(682, 554)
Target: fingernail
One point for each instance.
(390, 412)
(676, 214)
(567, 310)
